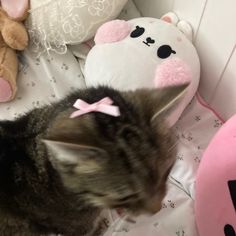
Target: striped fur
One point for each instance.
(89, 163)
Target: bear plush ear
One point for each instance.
(171, 18)
(16, 9)
(112, 31)
(186, 29)
(182, 25)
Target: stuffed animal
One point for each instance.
(53, 24)
(145, 53)
(215, 203)
(13, 37)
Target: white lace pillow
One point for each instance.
(52, 24)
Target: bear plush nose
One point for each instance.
(149, 41)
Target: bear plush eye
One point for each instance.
(137, 32)
(165, 51)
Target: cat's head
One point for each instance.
(117, 162)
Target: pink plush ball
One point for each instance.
(216, 185)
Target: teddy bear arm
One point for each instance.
(15, 35)
(8, 74)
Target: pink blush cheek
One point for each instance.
(172, 72)
(112, 31)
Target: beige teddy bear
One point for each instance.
(13, 37)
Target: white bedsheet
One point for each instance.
(51, 77)
(43, 80)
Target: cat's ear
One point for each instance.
(79, 158)
(167, 99)
(158, 103)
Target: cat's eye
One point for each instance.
(137, 32)
(93, 193)
(165, 51)
(127, 198)
(98, 194)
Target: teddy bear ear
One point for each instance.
(16, 9)
(171, 18)
(112, 31)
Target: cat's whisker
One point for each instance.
(130, 220)
(126, 217)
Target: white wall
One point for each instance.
(214, 24)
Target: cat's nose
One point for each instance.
(154, 205)
(153, 208)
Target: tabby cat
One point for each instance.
(57, 173)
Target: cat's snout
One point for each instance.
(153, 208)
(154, 204)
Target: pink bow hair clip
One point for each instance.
(104, 106)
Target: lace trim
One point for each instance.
(57, 23)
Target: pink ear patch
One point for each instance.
(5, 90)
(166, 19)
(112, 31)
(15, 8)
(172, 72)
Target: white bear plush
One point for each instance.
(145, 53)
